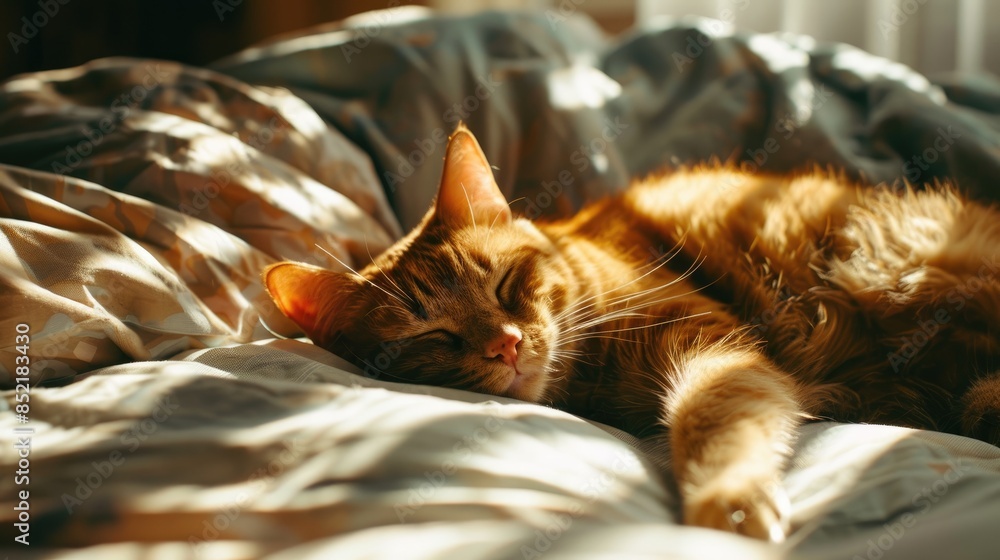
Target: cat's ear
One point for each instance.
(313, 297)
(468, 195)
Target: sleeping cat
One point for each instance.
(771, 300)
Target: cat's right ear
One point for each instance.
(468, 195)
(313, 297)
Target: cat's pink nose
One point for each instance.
(505, 345)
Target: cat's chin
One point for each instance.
(527, 384)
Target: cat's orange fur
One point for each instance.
(708, 310)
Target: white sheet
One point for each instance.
(272, 450)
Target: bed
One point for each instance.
(174, 412)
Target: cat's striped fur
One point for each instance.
(708, 309)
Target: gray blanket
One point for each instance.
(561, 109)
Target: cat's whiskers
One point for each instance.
(399, 291)
(472, 213)
(667, 256)
(657, 379)
(380, 372)
(560, 356)
(563, 357)
(665, 260)
(582, 305)
(617, 300)
(516, 200)
(388, 306)
(356, 273)
(588, 336)
(579, 319)
(584, 336)
(569, 352)
(489, 232)
(555, 378)
(623, 314)
(627, 312)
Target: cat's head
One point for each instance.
(469, 299)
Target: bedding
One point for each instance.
(173, 411)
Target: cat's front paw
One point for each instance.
(758, 510)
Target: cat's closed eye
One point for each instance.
(445, 338)
(505, 295)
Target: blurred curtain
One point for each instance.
(932, 36)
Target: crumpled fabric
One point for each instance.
(566, 114)
(140, 200)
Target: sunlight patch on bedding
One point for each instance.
(657, 22)
(870, 68)
(84, 351)
(204, 238)
(711, 27)
(783, 55)
(819, 478)
(778, 54)
(217, 151)
(802, 97)
(424, 541)
(58, 323)
(190, 320)
(173, 126)
(301, 116)
(169, 348)
(600, 162)
(28, 84)
(802, 42)
(369, 24)
(581, 86)
(291, 199)
(389, 16)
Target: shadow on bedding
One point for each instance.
(883, 492)
(178, 452)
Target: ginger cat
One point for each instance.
(770, 300)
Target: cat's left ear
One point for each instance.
(468, 195)
(318, 300)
